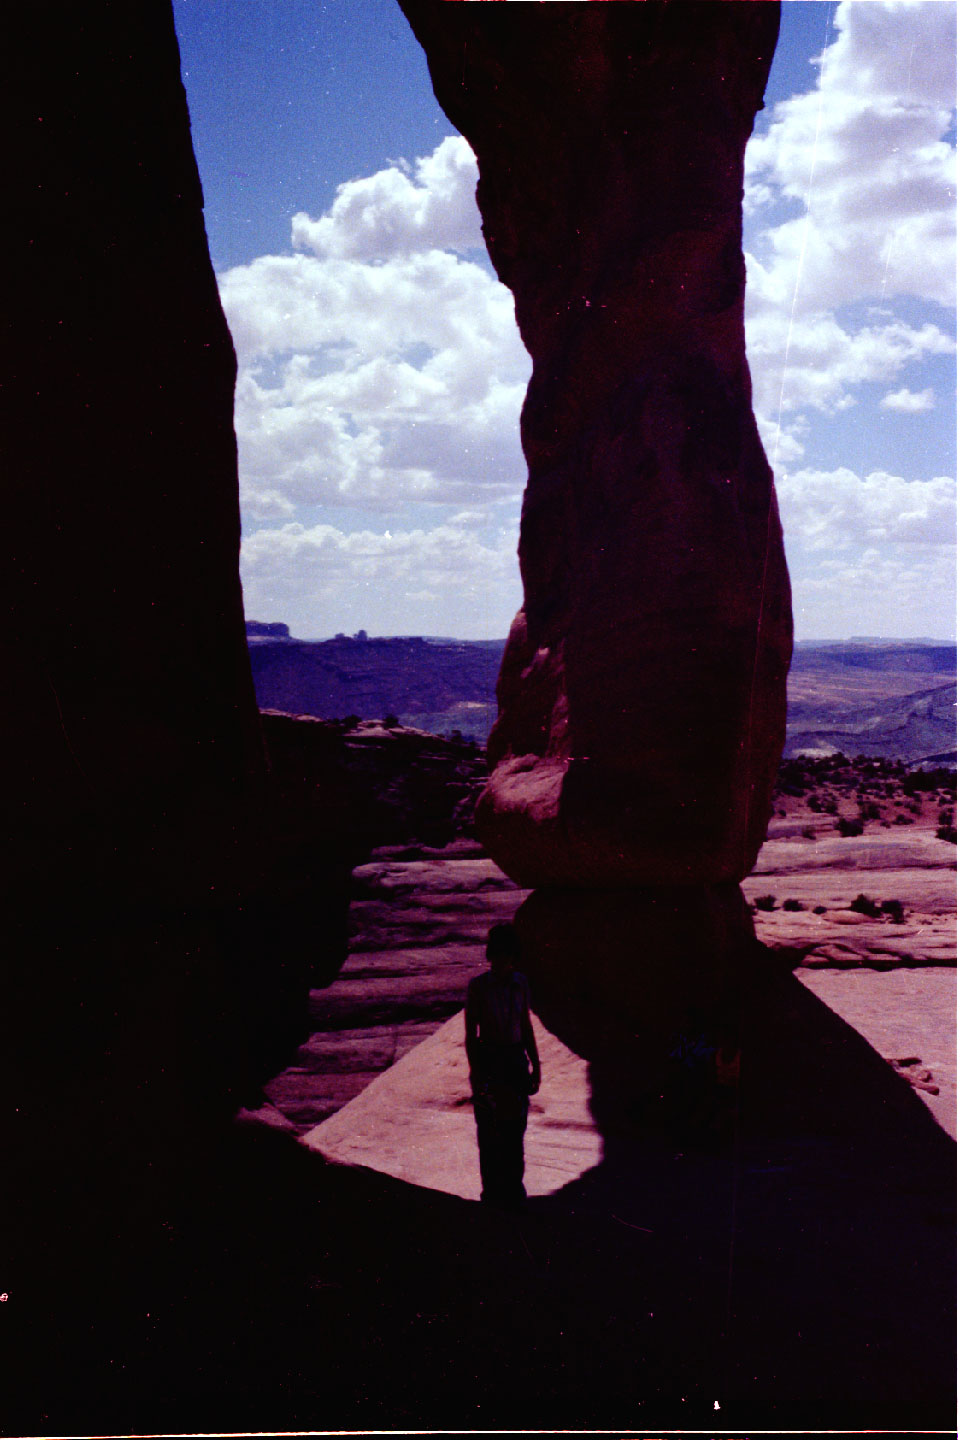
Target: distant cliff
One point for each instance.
(869, 697)
(436, 686)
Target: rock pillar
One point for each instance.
(642, 693)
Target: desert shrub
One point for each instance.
(808, 832)
(917, 780)
(819, 909)
(391, 721)
(893, 908)
(830, 806)
(863, 905)
(792, 905)
(813, 803)
(903, 819)
(948, 833)
(870, 810)
(792, 777)
(765, 902)
(945, 817)
(849, 827)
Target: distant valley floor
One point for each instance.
(895, 699)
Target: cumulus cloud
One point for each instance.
(818, 362)
(284, 303)
(383, 367)
(445, 580)
(830, 510)
(870, 555)
(400, 210)
(850, 292)
(380, 365)
(864, 154)
(909, 402)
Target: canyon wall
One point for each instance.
(642, 695)
(162, 905)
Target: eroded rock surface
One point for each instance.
(419, 922)
(642, 694)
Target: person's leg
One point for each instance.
(487, 1146)
(513, 1157)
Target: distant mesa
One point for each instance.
(262, 630)
(434, 685)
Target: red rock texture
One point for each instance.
(642, 693)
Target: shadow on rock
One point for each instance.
(800, 1216)
(790, 1266)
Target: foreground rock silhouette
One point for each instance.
(804, 1279)
(163, 905)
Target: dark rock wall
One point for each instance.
(116, 426)
(157, 929)
(642, 694)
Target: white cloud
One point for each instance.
(865, 155)
(830, 510)
(909, 402)
(283, 303)
(407, 372)
(447, 580)
(381, 367)
(825, 361)
(391, 214)
(870, 592)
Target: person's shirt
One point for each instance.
(499, 1003)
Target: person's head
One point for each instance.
(503, 947)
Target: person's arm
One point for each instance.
(473, 1032)
(530, 1046)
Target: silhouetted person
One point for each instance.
(504, 1066)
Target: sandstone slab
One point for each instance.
(907, 1016)
(415, 1122)
(821, 876)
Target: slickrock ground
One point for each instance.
(416, 1123)
(421, 917)
(909, 1017)
(805, 1280)
(802, 1278)
(827, 874)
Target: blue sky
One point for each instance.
(380, 370)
